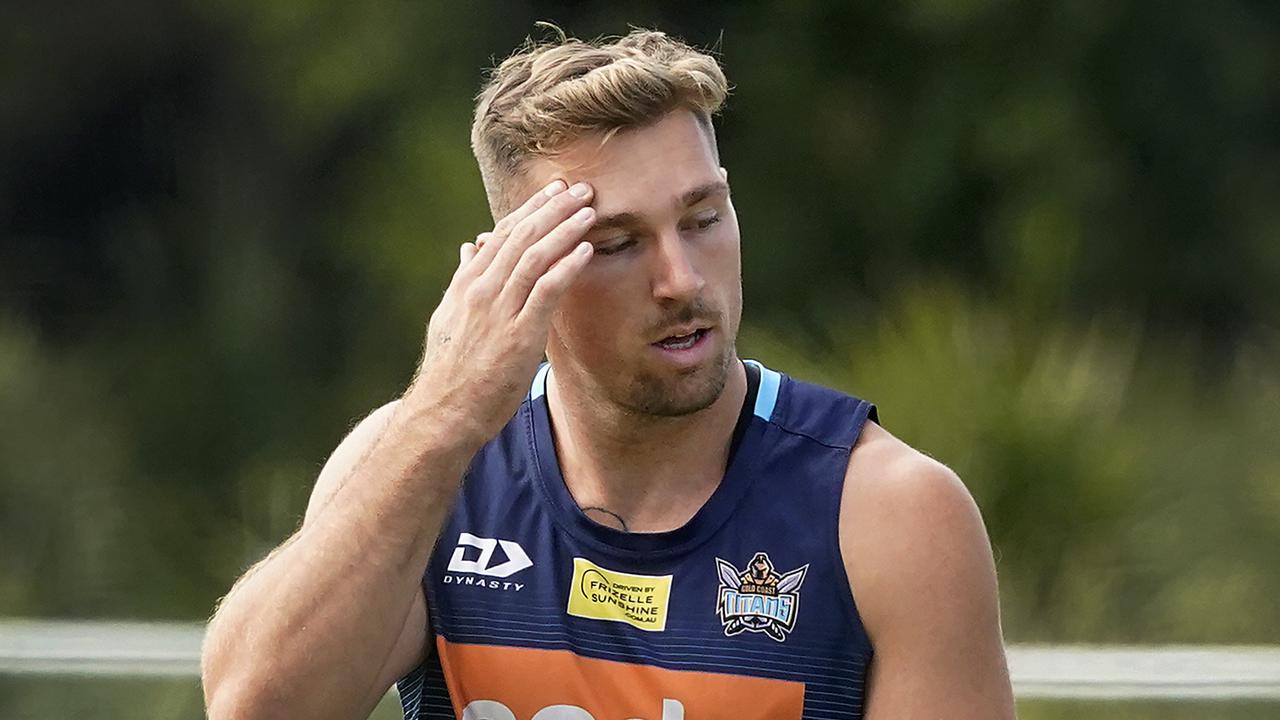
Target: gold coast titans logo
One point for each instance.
(758, 599)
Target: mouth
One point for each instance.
(683, 340)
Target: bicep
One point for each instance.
(411, 648)
(921, 568)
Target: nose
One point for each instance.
(674, 274)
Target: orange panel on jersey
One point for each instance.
(508, 683)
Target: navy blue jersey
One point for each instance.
(538, 612)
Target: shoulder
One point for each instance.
(825, 415)
(910, 532)
(887, 474)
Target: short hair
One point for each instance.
(549, 94)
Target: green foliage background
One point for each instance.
(1043, 236)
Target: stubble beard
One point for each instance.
(681, 394)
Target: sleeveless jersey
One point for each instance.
(538, 612)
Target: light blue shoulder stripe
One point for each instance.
(767, 395)
(539, 387)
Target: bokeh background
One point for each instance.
(1044, 236)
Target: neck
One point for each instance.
(638, 472)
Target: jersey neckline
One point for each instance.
(762, 386)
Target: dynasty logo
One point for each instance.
(758, 599)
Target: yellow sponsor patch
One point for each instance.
(637, 600)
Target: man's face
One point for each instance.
(651, 323)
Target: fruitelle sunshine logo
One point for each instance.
(638, 600)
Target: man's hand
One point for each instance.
(488, 334)
(323, 625)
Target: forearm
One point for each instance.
(310, 631)
(306, 633)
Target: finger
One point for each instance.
(466, 253)
(475, 267)
(535, 201)
(541, 255)
(549, 288)
(494, 240)
(531, 229)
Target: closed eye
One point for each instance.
(704, 221)
(616, 247)
(621, 243)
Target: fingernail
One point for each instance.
(584, 215)
(556, 186)
(579, 190)
(583, 248)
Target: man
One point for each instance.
(643, 527)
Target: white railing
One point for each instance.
(138, 649)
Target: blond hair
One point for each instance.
(549, 94)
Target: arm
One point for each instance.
(921, 570)
(318, 580)
(325, 624)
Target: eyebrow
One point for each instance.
(702, 192)
(692, 197)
